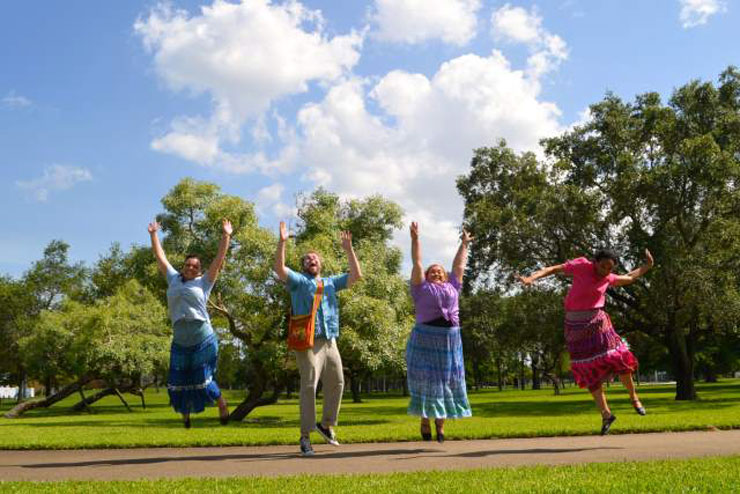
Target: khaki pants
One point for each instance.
(322, 362)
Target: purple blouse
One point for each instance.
(435, 300)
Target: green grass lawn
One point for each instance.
(696, 475)
(378, 418)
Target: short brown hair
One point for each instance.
(446, 274)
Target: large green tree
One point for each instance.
(375, 315)
(116, 340)
(637, 174)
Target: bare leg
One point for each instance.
(600, 399)
(223, 407)
(630, 385)
(426, 428)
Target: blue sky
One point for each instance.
(104, 106)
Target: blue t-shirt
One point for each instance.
(302, 290)
(187, 300)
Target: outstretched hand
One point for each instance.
(226, 227)
(153, 227)
(283, 232)
(346, 238)
(466, 237)
(525, 280)
(414, 229)
(649, 258)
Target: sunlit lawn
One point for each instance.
(696, 475)
(379, 418)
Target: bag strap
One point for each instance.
(317, 298)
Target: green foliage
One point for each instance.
(637, 175)
(376, 314)
(121, 337)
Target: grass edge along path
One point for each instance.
(507, 414)
(711, 474)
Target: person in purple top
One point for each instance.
(434, 359)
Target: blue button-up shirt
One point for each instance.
(302, 290)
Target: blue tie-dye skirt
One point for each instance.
(190, 382)
(436, 373)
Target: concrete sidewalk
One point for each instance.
(128, 464)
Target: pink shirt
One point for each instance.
(588, 290)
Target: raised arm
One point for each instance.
(461, 258)
(417, 269)
(223, 247)
(631, 277)
(157, 248)
(279, 266)
(355, 273)
(548, 271)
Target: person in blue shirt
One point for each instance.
(322, 362)
(194, 350)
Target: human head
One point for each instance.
(436, 273)
(605, 260)
(191, 267)
(311, 263)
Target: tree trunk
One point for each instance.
(22, 383)
(21, 408)
(354, 384)
(253, 400)
(535, 373)
(405, 385)
(683, 365)
(500, 375)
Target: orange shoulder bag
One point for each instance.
(301, 328)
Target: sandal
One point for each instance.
(637, 405)
(606, 424)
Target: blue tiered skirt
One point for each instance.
(436, 373)
(190, 381)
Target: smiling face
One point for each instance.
(604, 267)
(312, 264)
(436, 274)
(191, 268)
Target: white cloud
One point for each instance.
(270, 199)
(697, 12)
(55, 177)
(517, 25)
(13, 100)
(416, 21)
(470, 102)
(244, 56)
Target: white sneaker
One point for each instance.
(327, 433)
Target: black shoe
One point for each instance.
(606, 424)
(327, 434)
(426, 436)
(306, 449)
(639, 409)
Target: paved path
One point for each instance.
(359, 458)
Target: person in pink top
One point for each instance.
(597, 353)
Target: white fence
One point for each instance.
(7, 392)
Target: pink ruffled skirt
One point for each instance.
(597, 352)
